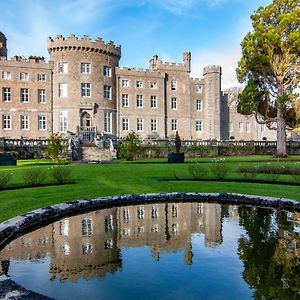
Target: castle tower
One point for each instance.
(84, 84)
(212, 98)
(3, 49)
(187, 58)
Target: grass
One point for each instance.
(142, 176)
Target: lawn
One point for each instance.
(144, 176)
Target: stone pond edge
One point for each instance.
(11, 228)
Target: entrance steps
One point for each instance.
(92, 153)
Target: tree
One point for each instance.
(130, 146)
(270, 67)
(57, 148)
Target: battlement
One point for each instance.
(22, 59)
(212, 69)
(72, 42)
(125, 71)
(197, 80)
(157, 64)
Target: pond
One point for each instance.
(162, 251)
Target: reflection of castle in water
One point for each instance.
(89, 245)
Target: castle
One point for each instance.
(83, 91)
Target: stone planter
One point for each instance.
(177, 157)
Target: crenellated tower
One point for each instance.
(3, 47)
(84, 83)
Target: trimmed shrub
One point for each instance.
(35, 176)
(5, 177)
(61, 174)
(247, 172)
(197, 171)
(57, 148)
(219, 169)
(295, 172)
(130, 146)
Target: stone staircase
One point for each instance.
(91, 153)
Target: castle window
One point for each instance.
(24, 76)
(153, 100)
(140, 124)
(126, 232)
(153, 125)
(63, 90)
(108, 122)
(174, 210)
(125, 100)
(64, 227)
(85, 90)
(126, 215)
(108, 244)
(154, 212)
(87, 248)
(85, 68)
(6, 94)
(174, 124)
(139, 100)
(65, 249)
(42, 96)
(24, 122)
(152, 84)
(173, 103)
(24, 95)
(247, 127)
(63, 121)
(241, 127)
(6, 122)
(42, 122)
(154, 228)
(199, 125)
(107, 92)
(125, 83)
(107, 71)
(125, 124)
(139, 84)
(173, 85)
(230, 125)
(175, 229)
(108, 223)
(62, 67)
(6, 75)
(140, 213)
(41, 77)
(86, 227)
(198, 89)
(198, 105)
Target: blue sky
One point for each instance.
(211, 29)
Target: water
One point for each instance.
(162, 251)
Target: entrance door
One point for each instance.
(86, 120)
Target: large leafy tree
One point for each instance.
(270, 67)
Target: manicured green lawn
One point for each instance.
(96, 180)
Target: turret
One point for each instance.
(187, 57)
(3, 49)
(212, 96)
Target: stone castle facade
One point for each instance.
(83, 90)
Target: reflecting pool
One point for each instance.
(162, 251)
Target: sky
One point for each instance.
(211, 29)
